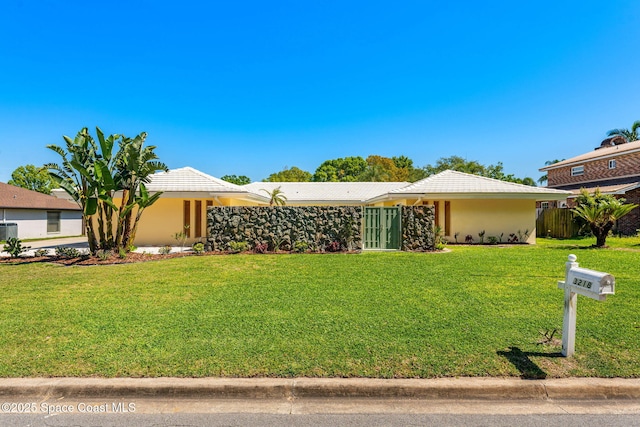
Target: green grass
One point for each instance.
(476, 311)
(632, 243)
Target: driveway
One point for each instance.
(74, 242)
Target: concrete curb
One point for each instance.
(321, 388)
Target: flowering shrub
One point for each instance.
(261, 248)
(333, 247)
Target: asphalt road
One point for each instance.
(160, 412)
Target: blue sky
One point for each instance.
(250, 87)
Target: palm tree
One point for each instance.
(601, 212)
(276, 197)
(629, 134)
(375, 173)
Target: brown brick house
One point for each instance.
(614, 167)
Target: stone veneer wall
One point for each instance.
(417, 228)
(318, 226)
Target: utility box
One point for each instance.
(8, 230)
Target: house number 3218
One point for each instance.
(582, 283)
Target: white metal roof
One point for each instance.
(188, 179)
(445, 184)
(453, 183)
(305, 192)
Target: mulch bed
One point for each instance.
(131, 257)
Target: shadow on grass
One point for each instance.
(520, 359)
(576, 247)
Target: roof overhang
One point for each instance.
(335, 202)
(473, 195)
(592, 156)
(615, 190)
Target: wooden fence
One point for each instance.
(556, 222)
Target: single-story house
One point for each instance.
(37, 215)
(464, 204)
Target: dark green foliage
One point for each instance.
(238, 180)
(67, 252)
(294, 174)
(473, 167)
(33, 178)
(600, 212)
(346, 169)
(14, 247)
(92, 173)
(300, 246)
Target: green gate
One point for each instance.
(382, 228)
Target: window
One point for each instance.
(53, 221)
(612, 164)
(577, 170)
(544, 205)
(447, 218)
(198, 218)
(186, 217)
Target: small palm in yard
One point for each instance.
(276, 197)
(601, 211)
(14, 247)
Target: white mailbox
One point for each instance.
(590, 283)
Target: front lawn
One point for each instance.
(476, 311)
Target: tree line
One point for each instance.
(383, 169)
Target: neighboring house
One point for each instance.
(464, 204)
(38, 215)
(613, 167)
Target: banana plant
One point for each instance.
(93, 174)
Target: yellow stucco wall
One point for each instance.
(495, 216)
(165, 218)
(161, 221)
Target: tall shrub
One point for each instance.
(92, 174)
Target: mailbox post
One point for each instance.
(593, 284)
